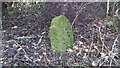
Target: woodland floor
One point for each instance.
(26, 40)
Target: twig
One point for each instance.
(90, 45)
(45, 54)
(92, 39)
(23, 51)
(113, 46)
(115, 61)
(113, 9)
(82, 7)
(24, 37)
(99, 61)
(102, 40)
(110, 54)
(117, 13)
(115, 42)
(60, 58)
(111, 62)
(40, 40)
(108, 7)
(102, 62)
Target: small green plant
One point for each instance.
(61, 35)
(110, 23)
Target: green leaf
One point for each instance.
(61, 35)
(110, 23)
